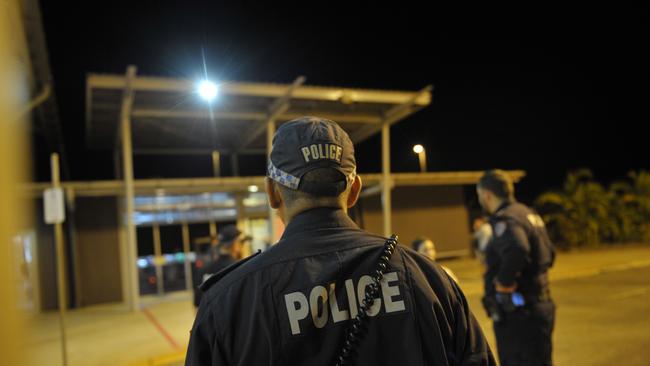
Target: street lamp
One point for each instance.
(422, 155)
(208, 90)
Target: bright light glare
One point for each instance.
(418, 149)
(208, 90)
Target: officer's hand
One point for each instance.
(491, 308)
(504, 299)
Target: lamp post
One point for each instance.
(422, 156)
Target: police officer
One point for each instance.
(227, 251)
(427, 248)
(293, 304)
(518, 257)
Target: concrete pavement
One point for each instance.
(603, 298)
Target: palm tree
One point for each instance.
(641, 191)
(624, 213)
(579, 214)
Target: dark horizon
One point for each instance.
(556, 90)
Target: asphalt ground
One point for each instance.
(602, 297)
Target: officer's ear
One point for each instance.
(482, 193)
(355, 191)
(275, 199)
(488, 195)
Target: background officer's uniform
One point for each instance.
(291, 305)
(521, 253)
(217, 259)
(216, 265)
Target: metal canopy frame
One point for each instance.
(168, 108)
(164, 116)
(239, 184)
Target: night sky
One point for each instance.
(546, 89)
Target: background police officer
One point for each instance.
(518, 257)
(227, 251)
(293, 304)
(427, 248)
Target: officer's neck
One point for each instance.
(287, 214)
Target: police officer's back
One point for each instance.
(517, 294)
(291, 305)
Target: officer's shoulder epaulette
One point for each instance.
(507, 218)
(221, 274)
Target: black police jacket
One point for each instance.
(290, 305)
(222, 262)
(520, 251)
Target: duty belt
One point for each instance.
(543, 296)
